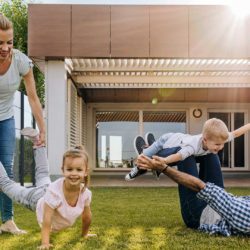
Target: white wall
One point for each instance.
(56, 113)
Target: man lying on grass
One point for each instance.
(205, 205)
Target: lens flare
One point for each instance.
(154, 100)
(241, 8)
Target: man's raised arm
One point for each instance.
(179, 177)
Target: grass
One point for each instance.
(127, 218)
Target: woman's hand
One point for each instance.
(41, 139)
(45, 246)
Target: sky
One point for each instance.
(137, 2)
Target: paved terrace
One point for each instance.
(100, 179)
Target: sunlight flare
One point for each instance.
(241, 8)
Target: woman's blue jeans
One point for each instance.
(7, 149)
(209, 171)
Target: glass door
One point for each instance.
(232, 156)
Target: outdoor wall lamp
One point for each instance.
(197, 113)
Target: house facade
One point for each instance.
(115, 71)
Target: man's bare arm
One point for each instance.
(184, 179)
(242, 130)
(179, 177)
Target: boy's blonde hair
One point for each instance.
(78, 152)
(215, 128)
(5, 23)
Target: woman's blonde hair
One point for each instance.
(5, 23)
(78, 152)
(215, 128)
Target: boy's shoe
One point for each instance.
(156, 174)
(135, 172)
(139, 144)
(149, 139)
(30, 133)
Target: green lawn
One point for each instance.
(127, 218)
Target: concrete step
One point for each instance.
(148, 180)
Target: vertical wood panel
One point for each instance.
(49, 30)
(90, 31)
(129, 31)
(169, 31)
(214, 31)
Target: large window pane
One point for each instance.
(160, 123)
(115, 132)
(235, 149)
(239, 156)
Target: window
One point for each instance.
(233, 154)
(116, 130)
(160, 123)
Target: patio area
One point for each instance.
(117, 180)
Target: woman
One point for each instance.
(14, 66)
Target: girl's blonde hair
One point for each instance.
(5, 23)
(78, 152)
(215, 128)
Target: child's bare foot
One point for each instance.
(32, 134)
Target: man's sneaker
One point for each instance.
(30, 133)
(139, 144)
(149, 139)
(135, 172)
(156, 174)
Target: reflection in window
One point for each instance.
(160, 123)
(116, 149)
(115, 132)
(103, 142)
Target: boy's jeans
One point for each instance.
(7, 149)
(28, 196)
(209, 171)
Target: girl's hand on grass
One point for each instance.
(89, 236)
(45, 246)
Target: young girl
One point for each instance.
(57, 204)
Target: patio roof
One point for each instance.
(89, 73)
